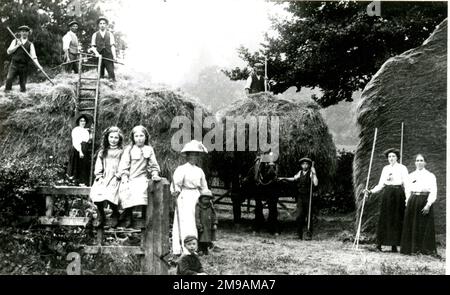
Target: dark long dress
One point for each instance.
(392, 210)
(418, 229)
(78, 168)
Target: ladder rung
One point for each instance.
(89, 65)
(86, 109)
(89, 89)
(87, 98)
(89, 79)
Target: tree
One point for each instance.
(48, 20)
(214, 89)
(337, 46)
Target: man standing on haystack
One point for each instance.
(256, 81)
(103, 44)
(20, 59)
(305, 180)
(71, 47)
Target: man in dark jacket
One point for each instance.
(20, 60)
(256, 80)
(103, 44)
(189, 264)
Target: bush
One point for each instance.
(18, 179)
(340, 198)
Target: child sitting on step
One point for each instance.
(206, 221)
(137, 165)
(189, 264)
(105, 189)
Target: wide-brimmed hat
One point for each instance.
(305, 159)
(102, 18)
(392, 150)
(194, 146)
(258, 65)
(24, 28)
(189, 238)
(74, 22)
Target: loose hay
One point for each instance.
(38, 124)
(302, 133)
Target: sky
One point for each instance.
(173, 40)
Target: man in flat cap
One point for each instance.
(103, 43)
(20, 60)
(303, 178)
(256, 80)
(71, 47)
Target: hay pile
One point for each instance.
(302, 133)
(409, 88)
(38, 124)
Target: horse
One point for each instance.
(261, 183)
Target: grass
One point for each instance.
(246, 253)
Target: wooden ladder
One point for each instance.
(88, 104)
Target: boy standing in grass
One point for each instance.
(189, 264)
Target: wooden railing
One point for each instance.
(155, 227)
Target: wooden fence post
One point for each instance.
(156, 227)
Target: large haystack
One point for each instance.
(303, 132)
(38, 124)
(409, 88)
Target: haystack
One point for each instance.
(38, 124)
(302, 133)
(409, 88)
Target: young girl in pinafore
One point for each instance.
(105, 188)
(137, 165)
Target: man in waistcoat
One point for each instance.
(255, 82)
(20, 61)
(71, 47)
(103, 44)
(303, 180)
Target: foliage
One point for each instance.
(48, 20)
(337, 46)
(18, 178)
(340, 198)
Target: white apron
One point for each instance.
(187, 199)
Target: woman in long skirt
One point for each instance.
(418, 226)
(392, 208)
(79, 159)
(187, 183)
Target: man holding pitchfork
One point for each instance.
(305, 180)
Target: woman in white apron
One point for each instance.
(188, 180)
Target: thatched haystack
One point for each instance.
(38, 124)
(302, 132)
(409, 88)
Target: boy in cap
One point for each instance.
(103, 43)
(189, 264)
(304, 177)
(256, 80)
(20, 60)
(71, 47)
(206, 221)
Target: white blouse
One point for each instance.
(421, 181)
(79, 135)
(188, 176)
(396, 174)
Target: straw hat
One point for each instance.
(194, 146)
(305, 159)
